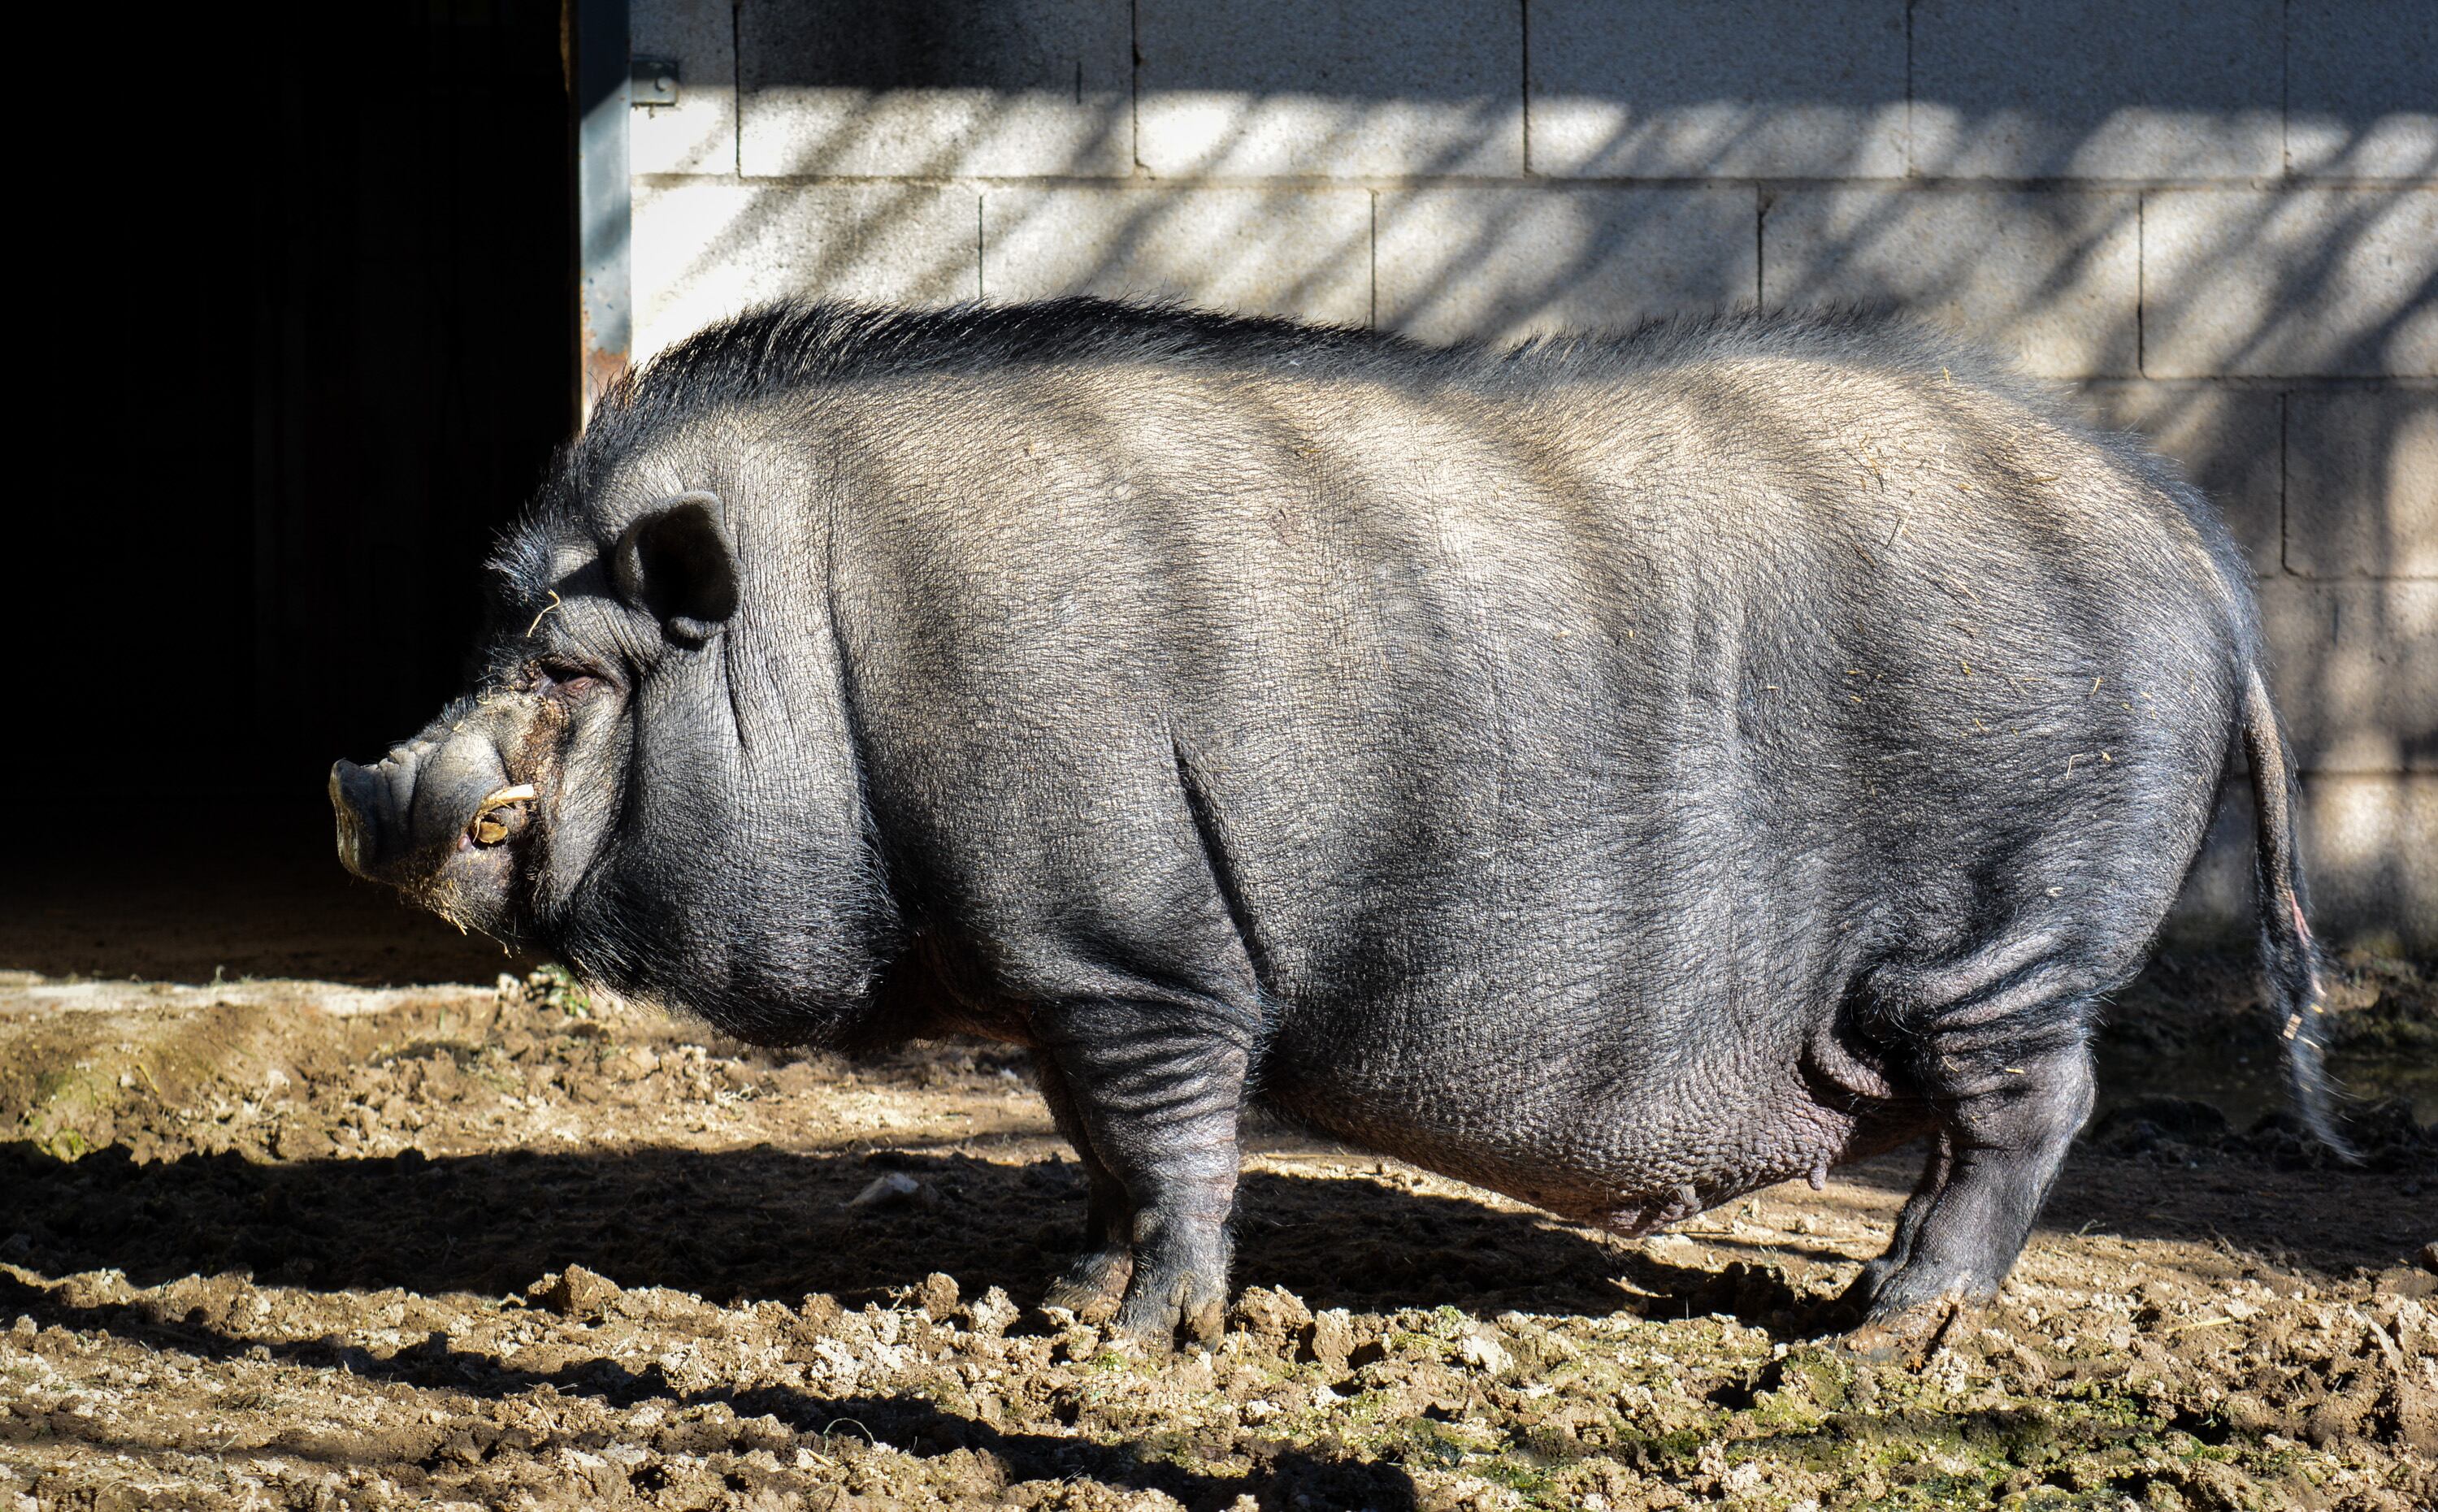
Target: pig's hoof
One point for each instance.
(1854, 1303)
(1157, 1314)
(1092, 1287)
(1205, 1323)
(1911, 1335)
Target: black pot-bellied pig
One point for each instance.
(1619, 772)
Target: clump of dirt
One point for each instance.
(289, 1245)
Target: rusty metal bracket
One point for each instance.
(651, 83)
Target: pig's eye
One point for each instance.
(554, 674)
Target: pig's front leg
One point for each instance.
(1095, 1282)
(1154, 1089)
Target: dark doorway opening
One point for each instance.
(305, 342)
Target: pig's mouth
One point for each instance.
(502, 815)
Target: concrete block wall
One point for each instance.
(2216, 221)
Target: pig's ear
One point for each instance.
(675, 565)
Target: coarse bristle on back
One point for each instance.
(791, 345)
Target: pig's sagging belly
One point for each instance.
(1623, 1152)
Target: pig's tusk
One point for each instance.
(488, 831)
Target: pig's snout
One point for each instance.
(407, 814)
(365, 815)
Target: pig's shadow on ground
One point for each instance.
(769, 1225)
(763, 1224)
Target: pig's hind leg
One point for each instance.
(1999, 1047)
(1092, 1284)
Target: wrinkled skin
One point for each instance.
(1622, 774)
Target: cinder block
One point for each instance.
(2050, 278)
(2370, 850)
(1304, 252)
(2290, 283)
(2350, 665)
(2361, 484)
(705, 249)
(1736, 88)
(1504, 263)
(2362, 79)
(935, 88)
(698, 134)
(1348, 90)
(2097, 89)
(2224, 439)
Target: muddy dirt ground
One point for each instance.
(286, 1244)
